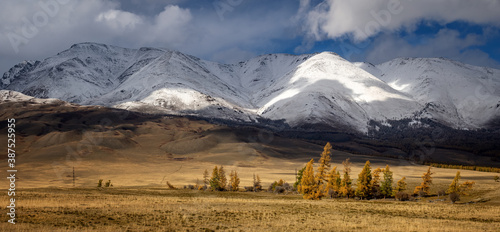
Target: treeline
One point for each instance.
(218, 181)
(464, 167)
(374, 184)
(327, 181)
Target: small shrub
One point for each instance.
(454, 197)
(271, 187)
(496, 178)
(288, 187)
(279, 189)
(402, 196)
(256, 183)
(99, 184)
(108, 184)
(466, 187)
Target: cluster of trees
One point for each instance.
(465, 167)
(378, 183)
(424, 189)
(332, 183)
(107, 184)
(219, 182)
(280, 186)
(455, 189)
(327, 181)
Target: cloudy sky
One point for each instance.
(233, 30)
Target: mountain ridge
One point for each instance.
(321, 88)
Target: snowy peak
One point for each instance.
(16, 71)
(302, 90)
(463, 95)
(328, 89)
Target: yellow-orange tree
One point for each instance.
(364, 188)
(334, 180)
(375, 184)
(309, 185)
(425, 186)
(454, 184)
(376, 177)
(324, 164)
(459, 188)
(345, 184)
(234, 181)
(400, 186)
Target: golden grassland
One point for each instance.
(160, 209)
(139, 154)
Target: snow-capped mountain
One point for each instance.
(459, 94)
(304, 90)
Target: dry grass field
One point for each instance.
(139, 154)
(159, 209)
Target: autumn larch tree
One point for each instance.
(206, 179)
(345, 185)
(425, 185)
(376, 177)
(333, 183)
(299, 178)
(234, 181)
(386, 185)
(309, 185)
(454, 184)
(375, 184)
(256, 183)
(215, 180)
(364, 188)
(400, 185)
(324, 164)
(222, 178)
(462, 189)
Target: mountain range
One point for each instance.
(320, 90)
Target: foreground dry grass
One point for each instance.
(157, 209)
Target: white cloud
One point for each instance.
(199, 32)
(362, 19)
(171, 26)
(119, 20)
(446, 43)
